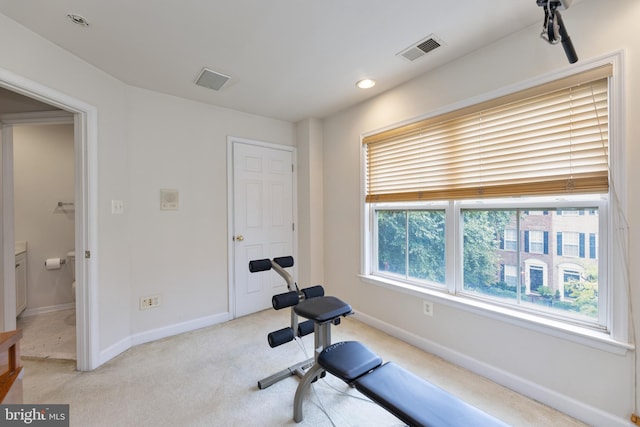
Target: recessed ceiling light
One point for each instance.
(77, 19)
(366, 83)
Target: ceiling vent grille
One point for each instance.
(212, 79)
(421, 48)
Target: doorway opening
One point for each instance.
(25, 97)
(44, 231)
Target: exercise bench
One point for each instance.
(407, 396)
(410, 398)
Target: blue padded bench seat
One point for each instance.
(407, 396)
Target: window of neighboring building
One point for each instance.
(511, 275)
(510, 239)
(537, 241)
(472, 202)
(570, 243)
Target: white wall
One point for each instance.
(310, 203)
(182, 255)
(590, 383)
(148, 141)
(44, 175)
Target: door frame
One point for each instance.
(231, 140)
(85, 118)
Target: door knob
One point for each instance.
(238, 238)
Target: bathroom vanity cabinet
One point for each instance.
(21, 281)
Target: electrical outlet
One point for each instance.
(149, 302)
(117, 207)
(427, 308)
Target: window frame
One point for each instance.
(616, 339)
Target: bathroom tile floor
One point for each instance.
(49, 335)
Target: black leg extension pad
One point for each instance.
(407, 396)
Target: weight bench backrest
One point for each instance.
(407, 396)
(348, 360)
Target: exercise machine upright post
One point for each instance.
(280, 301)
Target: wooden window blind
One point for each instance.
(549, 139)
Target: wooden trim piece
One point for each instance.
(10, 361)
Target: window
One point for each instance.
(510, 239)
(410, 244)
(511, 275)
(505, 202)
(537, 241)
(569, 244)
(547, 283)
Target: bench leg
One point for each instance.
(314, 372)
(322, 339)
(297, 369)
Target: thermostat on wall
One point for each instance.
(169, 200)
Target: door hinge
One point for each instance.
(292, 168)
(293, 226)
(87, 254)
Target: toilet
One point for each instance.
(71, 261)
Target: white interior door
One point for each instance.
(263, 220)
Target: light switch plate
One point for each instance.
(169, 199)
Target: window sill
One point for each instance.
(576, 334)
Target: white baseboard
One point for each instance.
(159, 333)
(114, 350)
(579, 410)
(48, 309)
(178, 328)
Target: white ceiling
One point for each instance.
(288, 59)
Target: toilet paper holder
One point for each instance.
(62, 261)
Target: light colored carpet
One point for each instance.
(209, 378)
(49, 335)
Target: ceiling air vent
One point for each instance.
(421, 48)
(212, 79)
